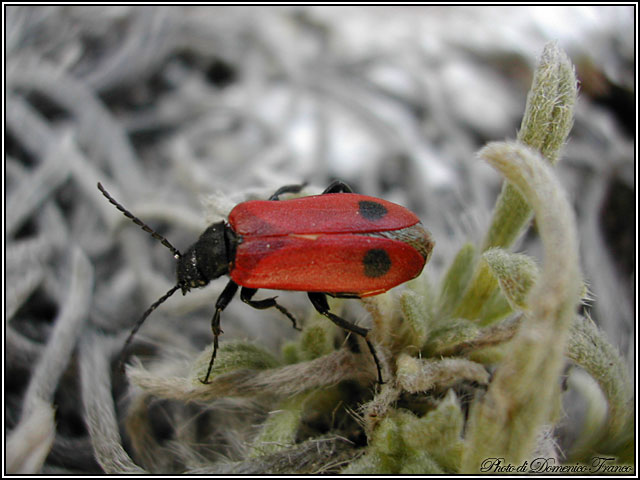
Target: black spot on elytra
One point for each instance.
(376, 263)
(371, 210)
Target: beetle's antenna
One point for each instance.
(141, 321)
(140, 223)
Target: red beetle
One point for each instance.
(339, 243)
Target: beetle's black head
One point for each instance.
(207, 259)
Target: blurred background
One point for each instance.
(182, 112)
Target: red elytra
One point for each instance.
(332, 243)
(339, 243)
(326, 213)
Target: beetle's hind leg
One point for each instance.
(319, 301)
(223, 300)
(246, 294)
(338, 187)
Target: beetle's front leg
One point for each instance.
(286, 189)
(319, 301)
(223, 300)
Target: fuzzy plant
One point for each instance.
(473, 368)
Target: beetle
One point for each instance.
(338, 243)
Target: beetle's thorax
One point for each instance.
(207, 259)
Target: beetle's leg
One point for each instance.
(247, 293)
(286, 189)
(338, 187)
(223, 300)
(319, 301)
